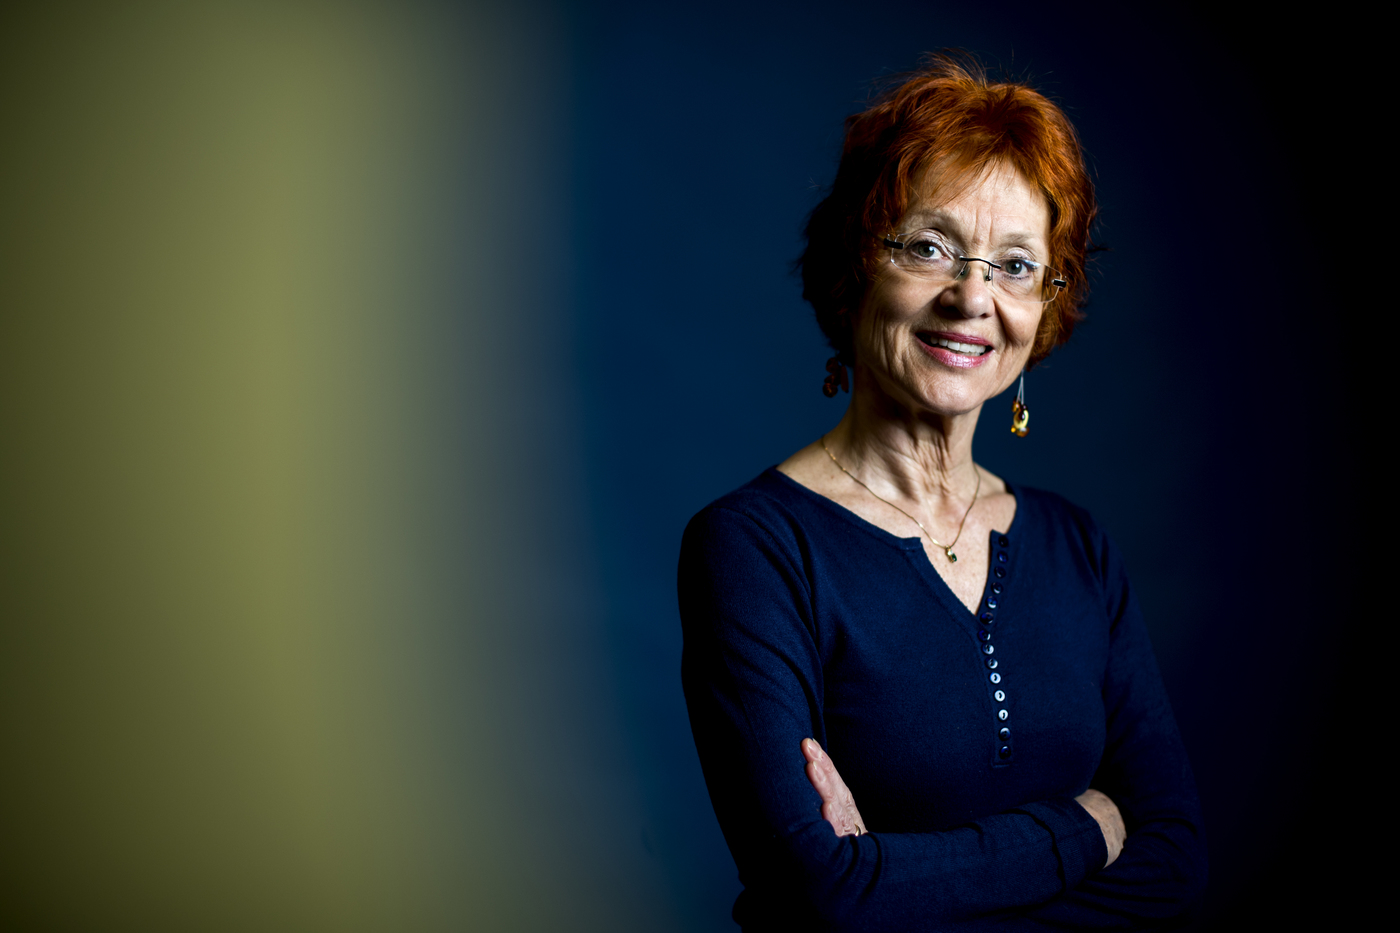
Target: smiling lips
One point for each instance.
(955, 349)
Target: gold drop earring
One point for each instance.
(1020, 414)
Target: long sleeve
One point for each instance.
(1162, 868)
(755, 683)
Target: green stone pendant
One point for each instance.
(951, 556)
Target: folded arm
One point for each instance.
(1162, 867)
(840, 810)
(754, 687)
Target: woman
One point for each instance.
(968, 652)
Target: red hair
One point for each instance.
(945, 121)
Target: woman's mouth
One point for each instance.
(971, 349)
(953, 351)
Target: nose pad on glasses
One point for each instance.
(967, 262)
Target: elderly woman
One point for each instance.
(967, 652)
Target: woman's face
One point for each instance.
(906, 321)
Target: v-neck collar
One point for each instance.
(939, 587)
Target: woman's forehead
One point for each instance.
(997, 199)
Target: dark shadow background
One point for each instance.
(704, 140)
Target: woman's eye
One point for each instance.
(1017, 267)
(925, 249)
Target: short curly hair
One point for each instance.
(948, 116)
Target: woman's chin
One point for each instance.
(951, 394)
(938, 400)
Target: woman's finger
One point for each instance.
(838, 803)
(839, 819)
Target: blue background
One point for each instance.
(704, 140)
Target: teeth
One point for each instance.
(971, 349)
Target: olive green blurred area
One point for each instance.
(280, 529)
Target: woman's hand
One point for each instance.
(838, 806)
(1104, 810)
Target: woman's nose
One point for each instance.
(969, 296)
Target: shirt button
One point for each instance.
(991, 604)
(1002, 714)
(1000, 571)
(1001, 540)
(1004, 734)
(1000, 695)
(1004, 751)
(996, 588)
(987, 649)
(992, 664)
(984, 635)
(986, 617)
(996, 678)
(1001, 557)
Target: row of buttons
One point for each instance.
(1000, 564)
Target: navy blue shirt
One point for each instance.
(963, 736)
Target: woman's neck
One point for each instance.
(920, 456)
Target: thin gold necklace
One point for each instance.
(947, 548)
